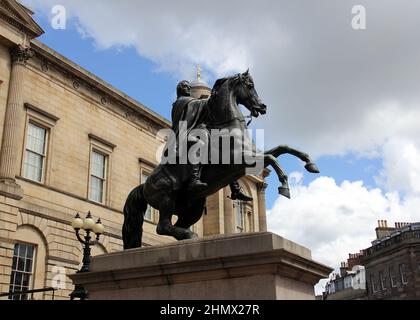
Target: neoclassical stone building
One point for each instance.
(72, 143)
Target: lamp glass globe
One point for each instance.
(88, 224)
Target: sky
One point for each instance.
(348, 97)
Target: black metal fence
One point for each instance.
(26, 293)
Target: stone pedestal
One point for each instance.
(243, 266)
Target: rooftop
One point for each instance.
(407, 234)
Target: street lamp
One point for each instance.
(89, 226)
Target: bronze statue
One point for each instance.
(182, 188)
(184, 109)
(192, 114)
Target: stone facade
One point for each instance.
(388, 270)
(350, 284)
(79, 114)
(393, 263)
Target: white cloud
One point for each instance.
(401, 170)
(330, 89)
(334, 220)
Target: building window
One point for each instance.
(393, 277)
(148, 213)
(35, 152)
(403, 273)
(22, 270)
(382, 279)
(240, 216)
(373, 283)
(98, 177)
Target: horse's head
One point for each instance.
(247, 96)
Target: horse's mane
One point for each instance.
(220, 82)
(217, 85)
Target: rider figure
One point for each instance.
(193, 118)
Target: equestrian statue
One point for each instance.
(181, 187)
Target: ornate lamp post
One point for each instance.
(89, 226)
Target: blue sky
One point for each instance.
(348, 97)
(140, 78)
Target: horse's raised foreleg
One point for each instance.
(270, 160)
(283, 149)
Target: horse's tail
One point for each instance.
(134, 210)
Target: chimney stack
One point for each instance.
(343, 269)
(400, 225)
(383, 230)
(353, 260)
(382, 224)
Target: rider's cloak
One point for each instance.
(193, 112)
(190, 110)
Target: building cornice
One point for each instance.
(374, 256)
(83, 77)
(20, 18)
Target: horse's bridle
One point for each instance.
(241, 119)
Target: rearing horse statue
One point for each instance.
(162, 189)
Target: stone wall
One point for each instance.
(405, 250)
(80, 112)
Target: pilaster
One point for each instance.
(262, 216)
(13, 124)
(228, 210)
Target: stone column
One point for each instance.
(262, 217)
(228, 217)
(12, 133)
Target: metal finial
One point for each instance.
(198, 72)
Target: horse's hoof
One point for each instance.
(311, 167)
(284, 192)
(163, 230)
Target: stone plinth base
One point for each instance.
(244, 266)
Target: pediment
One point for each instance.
(20, 17)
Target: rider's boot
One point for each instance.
(237, 194)
(196, 184)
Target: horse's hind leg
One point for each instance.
(283, 149)
(270, 160)
(191, 215)
(165, 226)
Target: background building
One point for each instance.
(350, 283)
(73, 143)
(393, 262)
(389, 269)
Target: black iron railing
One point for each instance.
(27, 292)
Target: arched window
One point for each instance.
(29, 263)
